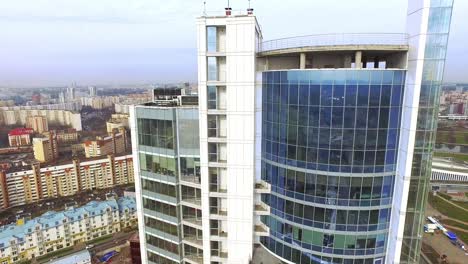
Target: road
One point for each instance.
(117, 239)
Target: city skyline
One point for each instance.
(126, 44)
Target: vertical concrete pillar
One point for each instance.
(376, 62)
(358, 59)
(347, 61)
(302, 61)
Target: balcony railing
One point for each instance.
(335, 40)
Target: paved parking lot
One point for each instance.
(441, 244)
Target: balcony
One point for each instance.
(193, 202)
(218, 255)
(219, 213)
(192, 221)
(194, 259)
(262, 187)
(193, 241)
(261, 230)
(218, 191)
(262, 209)
(217, 234)
(191, 180)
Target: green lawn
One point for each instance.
(454, 223)
(448, 197)
(452, 137)
(447, 209)
(458, 156)
(463, 236)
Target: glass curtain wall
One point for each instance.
(433, 70)
(329, 152)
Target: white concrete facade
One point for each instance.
(236, 60)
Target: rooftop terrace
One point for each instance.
(336, 42)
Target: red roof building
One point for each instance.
(20, 131)
(20, 137)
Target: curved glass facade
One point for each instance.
(329, 141)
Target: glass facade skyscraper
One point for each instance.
(329, 152)
(312, 149)
(431, 66)
(166, 145)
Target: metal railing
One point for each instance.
(335, 40)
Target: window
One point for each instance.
(155, 133)
(211, 42)
(212, 68)
(211, 97)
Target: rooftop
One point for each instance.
(79, 257)
(51, 219)
(20, 131)
(336, 42)
(449, 164)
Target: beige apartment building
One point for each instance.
(46, 148)
(115, 143)
(38, 123)
(31, 184)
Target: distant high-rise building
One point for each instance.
(62, 97)
(71, 92)
(317, 148)
(92, 91)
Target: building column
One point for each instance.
(348, 60)
(358, 59)
(302, 61)
(376, 62)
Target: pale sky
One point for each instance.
(55, 42)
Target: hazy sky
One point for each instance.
(55, 42)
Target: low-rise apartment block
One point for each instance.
(57, 230)
(20, 137)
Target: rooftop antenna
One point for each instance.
(204, 8)
(228, 9)
(250, 10)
